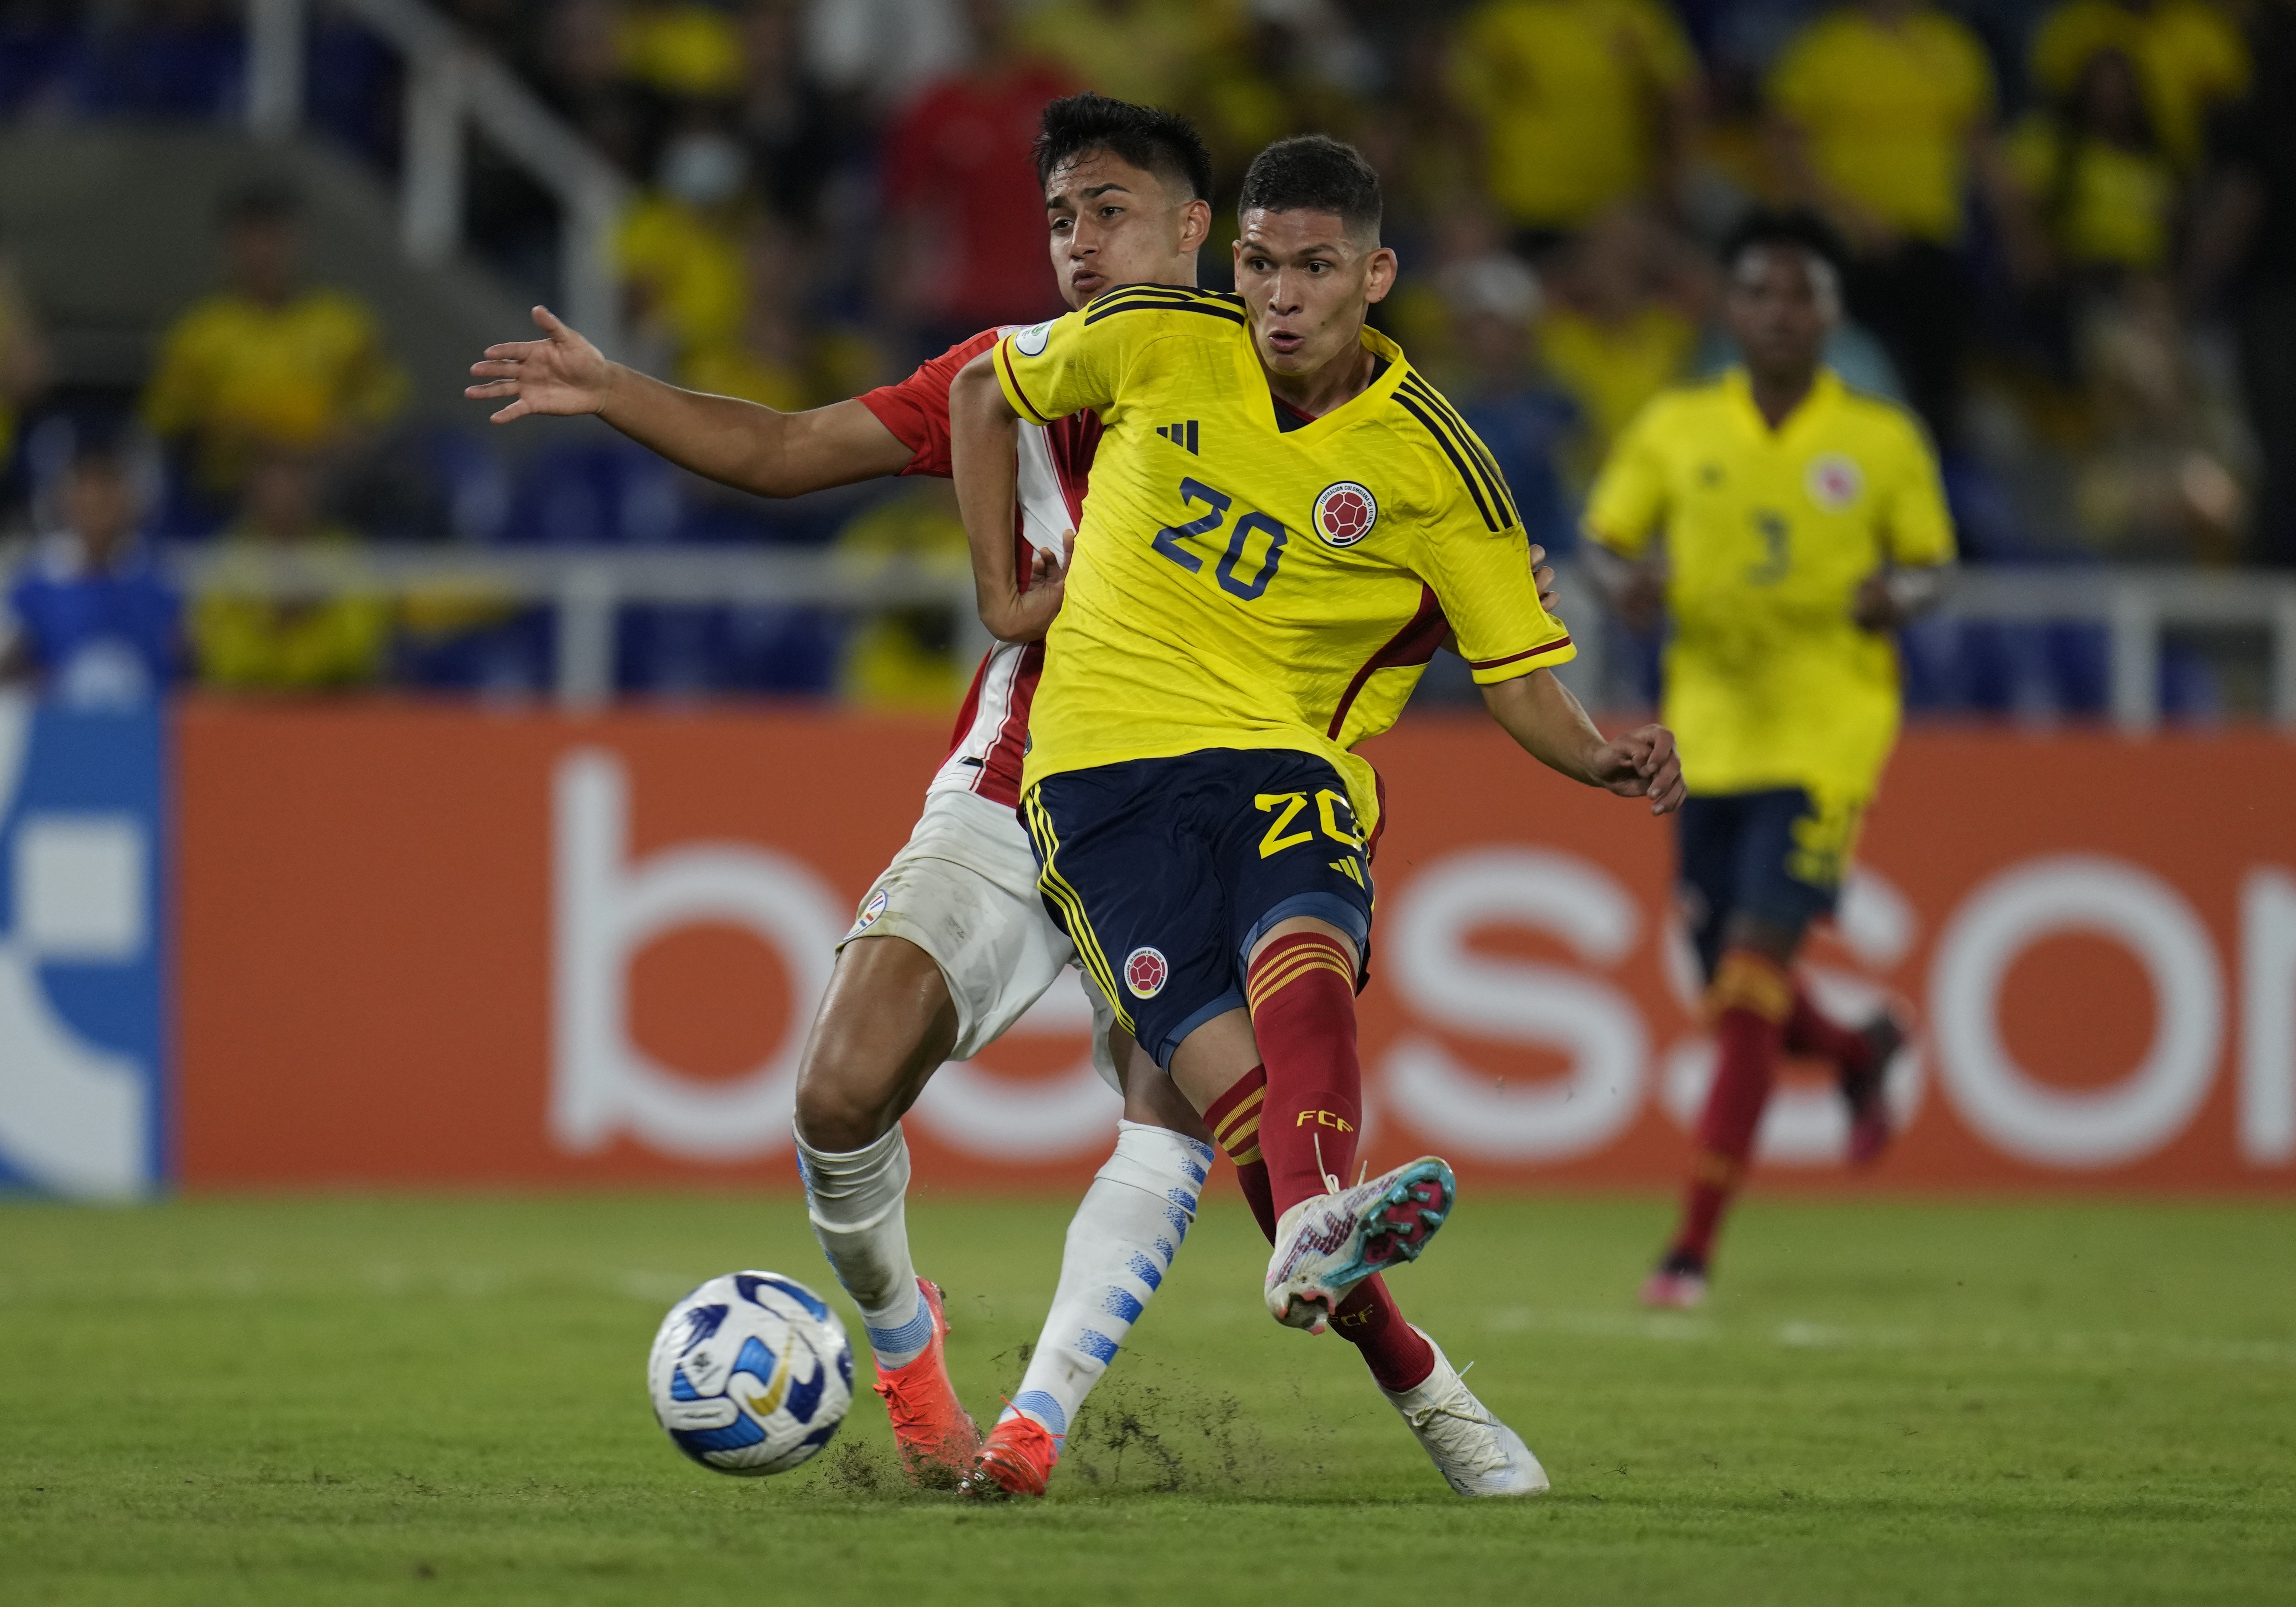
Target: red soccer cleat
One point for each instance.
(937, 1437)
(1016, 1461)
(1870, 1126)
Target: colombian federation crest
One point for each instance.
(1146, 972)
(1833, 482)
(1345, 513)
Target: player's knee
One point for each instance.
(839, 1109)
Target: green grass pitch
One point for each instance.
(409, 1400)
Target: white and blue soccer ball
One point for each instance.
(750, 1374)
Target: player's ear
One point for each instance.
(1379, 273)
(1195, 226)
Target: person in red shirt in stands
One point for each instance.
(961, 188)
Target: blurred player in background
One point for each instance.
(1123, 196)
(1786, 525)
(1285, 522)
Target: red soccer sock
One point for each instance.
(1398, 1354)
(1302, 992)
(1752, 997)
(1233, 1118)
(1808, 1030)
(1369, 1319)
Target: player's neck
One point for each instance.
(1335, 384)
(1776, 395)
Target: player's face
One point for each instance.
(1308, 285)
(1114, 224)
(1781, 306)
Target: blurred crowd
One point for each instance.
(2070, 228)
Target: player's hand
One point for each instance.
(1642, 601)
(1643, 764)
(1875, 607)
(1029, 615)
(560, 373)
(1542, 576)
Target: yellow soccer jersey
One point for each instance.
(1237, 585)
(1766, 536)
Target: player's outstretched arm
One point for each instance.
(1546, 722)
(734, 442)
(983, 448)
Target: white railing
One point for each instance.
(586, 586)
(453, 87)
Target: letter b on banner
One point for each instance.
(607, 909)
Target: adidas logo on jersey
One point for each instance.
(1180, 435)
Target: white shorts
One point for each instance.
(963, 889)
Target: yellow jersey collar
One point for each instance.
(1356, 406)
(1825, 395)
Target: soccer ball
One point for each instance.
(750, 1374)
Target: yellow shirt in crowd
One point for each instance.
(1610, 370)
(1246, 586)
(2188, 54)
(233, 371)
(1887, 111)
(1766, 535)
(2104, 206)
(1152, 53)
(690, 269)
(687, 50)
(1567, 93)
(248, 640)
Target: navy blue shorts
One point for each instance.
(1773, 855)
(1165, 871)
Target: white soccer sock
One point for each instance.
(855, 1203)
(1121, 1241)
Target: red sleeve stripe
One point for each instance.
(1013, 385)
(1539, 651)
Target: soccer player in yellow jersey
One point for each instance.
(1788, 525)
(1285, 522)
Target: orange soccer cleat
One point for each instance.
(1016, 1461)
(937, 1436)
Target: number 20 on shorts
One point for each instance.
(1333, 812)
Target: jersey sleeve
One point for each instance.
(1051, 370)
(1480, 576)
(917, 409)
(1917, 529)
(1629, 499)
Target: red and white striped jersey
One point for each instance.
(1054, 464)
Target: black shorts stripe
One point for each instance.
(1467, 477)
(1492, 474)
(1493, 480)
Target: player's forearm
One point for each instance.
(1546, 722)
(749, 447)
(983, 449)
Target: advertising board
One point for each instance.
(439, 946)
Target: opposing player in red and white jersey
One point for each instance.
(970, 946)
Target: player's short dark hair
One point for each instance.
(1315, 173)
(260, 201)
(1148, 137)
(1798, 229)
